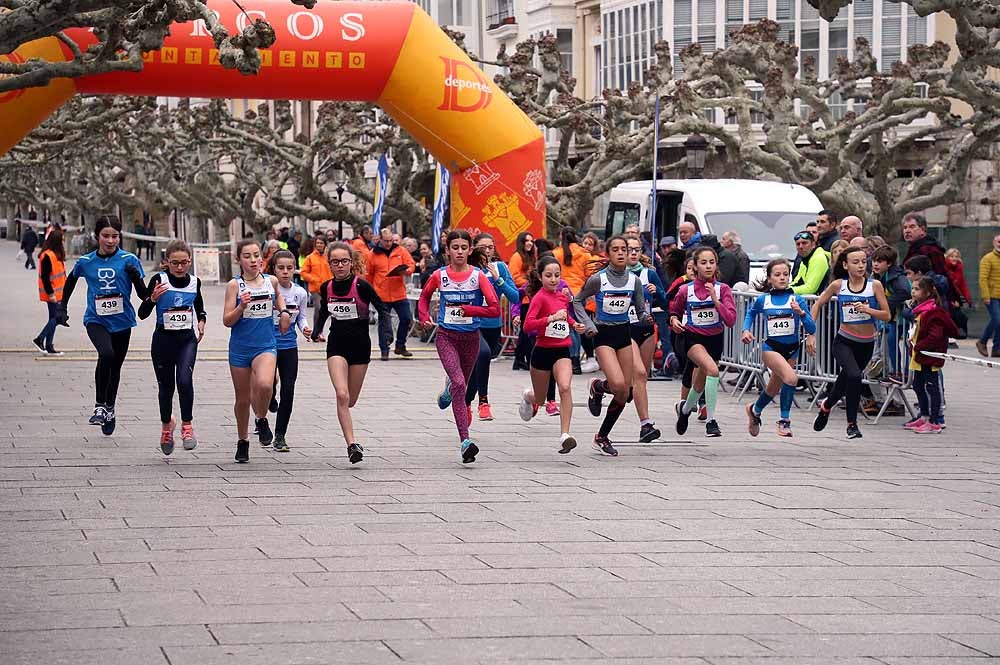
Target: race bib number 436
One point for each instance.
(557, 330)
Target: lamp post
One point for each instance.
(696, 150)
(243, 223)
(340, 180)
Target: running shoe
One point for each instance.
(385, 356)
(940, 422)
(37, 343)
(682, 418)
(712, 429)
(273, 406)
(648, 433)
(100, 414)
(927, 427)
(485, 413)
(589, 366)
(595, 398)
(444, 397)
(242, 451)
(187, 436)
(108, 426)
(552, 408)
(785, 428)
(280, 445)
(527, 408)
(355, 453)
(51, 350)
(853, 432)
(167, 437)
(401, 351)
(981, 347)
(703, 413)
(915, 423)
(264, 434)
(469, 451)
(577, 371)
(821, 419)
(753, 421)
(566, 443)
(603, 445)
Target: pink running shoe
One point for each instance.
(927, 427)
(187, 436)
(915, 423)
(551, 408)
(167, 438)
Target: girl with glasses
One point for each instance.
(643, 333)
(346, 300)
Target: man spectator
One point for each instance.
(410, 245)
(689, 235)
(331, 236)
(921, 244)
(295, 243)
(813, 228)
(826, 225)
(850, 228)
(388, 266)
(632, 231)
(29, 241)
(814, 266)
(989, 291)
(363, 242)
(398, 239)
(730, 242)
(667, 243)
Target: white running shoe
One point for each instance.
(526, 409)
(589, 366)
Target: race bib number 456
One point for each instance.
(343, 311)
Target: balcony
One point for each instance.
(500, 19)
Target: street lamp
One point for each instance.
(696, 150)
(340, 180)
(243, 223)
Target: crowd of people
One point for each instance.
(579, 305)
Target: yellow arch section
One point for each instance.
(389, 53)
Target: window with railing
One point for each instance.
(499, 12)
(629, 34)
(682, 32)
(706, 25)
(892, 35)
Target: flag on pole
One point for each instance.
(442, 188)
(652, 193)
(381, 184)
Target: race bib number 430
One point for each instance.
(178, 319)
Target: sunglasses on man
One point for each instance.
(804, 235)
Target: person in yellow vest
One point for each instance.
(51, 278)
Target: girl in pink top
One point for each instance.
(548, 317)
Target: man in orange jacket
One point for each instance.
(388, 267)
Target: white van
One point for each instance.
(765, 215)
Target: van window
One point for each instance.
(763, 235)
(620, 215)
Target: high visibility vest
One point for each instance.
(57, 278)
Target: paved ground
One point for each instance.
(814, 550)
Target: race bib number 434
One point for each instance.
(258, 309)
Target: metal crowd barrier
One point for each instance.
(888, 373)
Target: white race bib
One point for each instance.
(632, 317)
(616, 305)
(343, 311)
(109, 305)
(780, 326)
(849, 313)
(704, 316)
(557, 330)
(453, 316)
(178, 319)
(258, 309)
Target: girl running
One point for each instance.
(615, 289)
(548, 317)
(785, 315)
(51, 280)
(346, 300)
(457, 340)
(861, 301)
(643, 334)
(931, 329)
(701, 311)
(110, 273)
(175, 295)
(251, 306)
(296, 301)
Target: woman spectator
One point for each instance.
(51, 278)
(521, 264)
(836, 249)
(959, 290)
(590, 242)
(315, 272)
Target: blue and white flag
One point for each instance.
(652, 193)
(442, 188)
(381, 185)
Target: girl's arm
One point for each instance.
(660, 297)
(678, 304)
(323, 313)
(727, 305)
(233, 308)
(824, 297)
(508, 287)
(285, 318)
(147, 306)
(808, 322)
(133, 269)
(199, 303)
(882, 313)
(756, 308)
(492, 307)
(301, 320)
(423, 305)
(590, 288)
(639, 300)
(534, 322)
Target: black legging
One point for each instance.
(853, 357)
(174, 355)
(587, 343)
(927, 385)
(489, 348)
(288, 371)
(112, 348)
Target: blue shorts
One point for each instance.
(245, 357)
(786, 351)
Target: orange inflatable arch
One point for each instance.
(388, 53)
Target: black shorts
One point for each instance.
(617, 337)
(355, 349)
(786, 351)
(640, 333)
(544, 359)
(713, 344)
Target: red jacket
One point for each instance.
(956, 273)
(934, 328)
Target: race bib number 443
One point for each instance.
(780, 326)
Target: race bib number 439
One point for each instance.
(109, 305)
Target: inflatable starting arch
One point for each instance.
(388, 53)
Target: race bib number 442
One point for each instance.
(616, 305)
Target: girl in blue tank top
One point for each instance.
(785, 315)
(252, 303)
